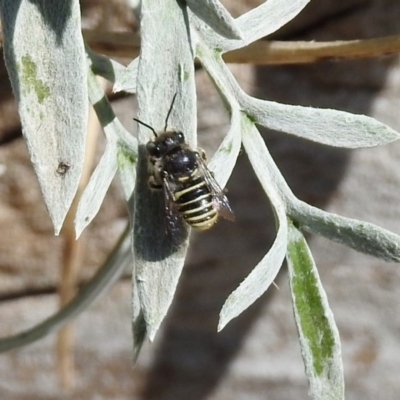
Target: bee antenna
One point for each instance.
(147, 126)
(170, 110)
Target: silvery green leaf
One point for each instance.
(105, 67)
(331, 127)
(262, 276)
(318, 334)
(255, 24)
(220, 75)
(95, 191)
(216, 16)
(121, 149)
(224, 159)
(268, 18)
(264, 166)
(265, 272)
(361, 236)
(162, 73)
(127, 80)
(45, 58)
(116, 263)
(127, 156)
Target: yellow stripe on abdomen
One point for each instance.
(180, 193)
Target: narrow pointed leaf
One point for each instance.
(216, 16)
(225, 158)
(45, 58)
(259, 280)
(255, 24)
(331, 127)
(262, 276)
(361, 236)
(95, 191)
(121, 149)
(318, 334)
(264, 166)
(162, 73)
(268, 17)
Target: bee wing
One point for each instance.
(219, 199)
(173, 217)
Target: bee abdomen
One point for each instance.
(199, 214)
(195, 203)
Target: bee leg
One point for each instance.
(202, 153)
(153, 183)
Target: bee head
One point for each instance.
(165, 142)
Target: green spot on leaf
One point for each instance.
(183, 75)
(312, 319)
(125, 157)
(246, 123)
(31, 81)
(228, 148)
(252, 118)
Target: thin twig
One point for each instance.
(265, 52)
(116, 263)
(262, 52)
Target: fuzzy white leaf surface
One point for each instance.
(127, 156)
(318, 334)
(330, 127)
(267, 18)
(95, 191)
(165, 68)
(255, 24)
(326, 126)
(262, 276)
(360, 235)
(45, 58)
(225, 157)
(216, 16)
(121, 149)
(219, 73)
(126, 81)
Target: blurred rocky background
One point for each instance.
(257, 356)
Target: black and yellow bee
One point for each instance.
(190, 189)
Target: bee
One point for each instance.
(190, 190)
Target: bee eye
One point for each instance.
(181, 137)
(153, 149)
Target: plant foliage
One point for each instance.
(49, 79)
